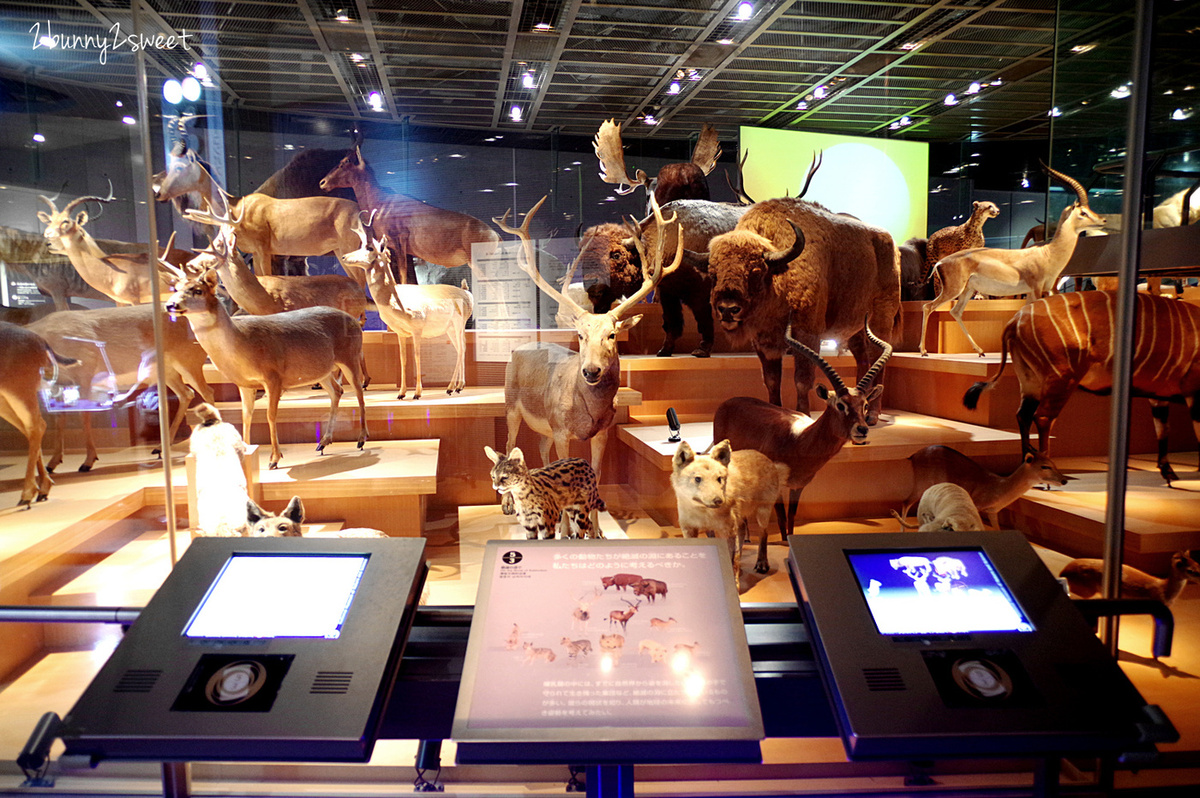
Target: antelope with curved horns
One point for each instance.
(784, 436)
(123, 278)
(1007, 272)
(564, 395)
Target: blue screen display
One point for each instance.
(925, 592)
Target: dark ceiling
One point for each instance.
(663, 67)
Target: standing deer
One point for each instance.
(275, 353)
(564, 395)
(1006, 272)
(123, 278)
(23, 355)
(417, 228)
(1065, 341)
(415, 312)
(783, 437)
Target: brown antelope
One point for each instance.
(990, 492)
(564, 395)
(1006, 272)
(23, 355)
(433, 234)
(1085, 575)
(415, 312)
(124, 278)
(1065, 341)
(622, 616)
(275, 353)
(120, 341)
(784, 436)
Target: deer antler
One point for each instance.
(1080, 191)
(607, 144)
(743, 197)
(839, 387)
(171, 268)
(651, 278)
(527, 263)
(214, 218)
(708, 149)
(877, 366)
(818, 158)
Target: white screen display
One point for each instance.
(269, 596)
(936, 592)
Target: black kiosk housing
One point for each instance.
(258, 649)
(960, 644)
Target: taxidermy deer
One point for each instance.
(1085, 575)
(1006, 272)
(123, 278)
(416, 312)
(785, 436)
(23, 355)
(276, 352)
(564, 395)
(433, 234)
(1064, 342)
(674, 181)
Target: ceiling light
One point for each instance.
(997, 82)
(905, 121)
(544, 27)
(950, 100)
(724, 41)
(289, 146)
(39, 138)
(1055, 111)
(1121, 92)
(357, 58)
(375, 100)
(1080, 49)
(910, 46)
(120, 104)
(1024, 182)
(191, 89)
(341, 15)
(173, 91)
(129, 120)
(802, 106)
(894, 126)
(819, 92)
(514, 113)
(650, 120)
(527, 80)
(1179, 114)
(974, 88)
(673, 88)
(745, 10)
(200, 71)
(693, 75)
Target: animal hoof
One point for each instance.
(762, 568)
(361, 444)
(665, 352)
(41, 497)
(401, 395)
(83, 469)
(449, 392)
(24, 503)
(272, 466)
(701, 352)
(50, 469)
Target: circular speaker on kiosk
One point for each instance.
(235, 682)
(981, 678)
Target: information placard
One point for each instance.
(637, 640)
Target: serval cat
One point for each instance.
(967, 235)
(542, 497)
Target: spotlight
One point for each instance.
(974, 88)
(543, 27)
(819, 92)
(673, 88)
(1179, 114)
(905, 121)
(1054, 112)
(527, 80)
(341, 15)
(375, 100)
(191, 89)
(745, 10)
(650, 120)
(802, 105)
(39, 138)
(129, 120)
(173, 91)
(514, 113)
(950, 100)
(1121, 92)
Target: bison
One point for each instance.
(793, 261)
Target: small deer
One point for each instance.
(1085, 575)
(945, 506)
(1006, 272)
(276, 352)
(622, 616)
(432, 234)
(23, 355)
(415, 312)
(544, 498)
(785, 436)
(989, 492)
(568, 395)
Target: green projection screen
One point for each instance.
(881, 181)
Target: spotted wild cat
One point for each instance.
(542, 497)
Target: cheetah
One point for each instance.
(967, 235)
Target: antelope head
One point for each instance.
(849, 407)
(351, 171)
(742, 264)
(1079, 212)
(184, 174)
(597, 331)
(59, 224)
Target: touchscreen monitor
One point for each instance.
(927, 592)
(266, 596)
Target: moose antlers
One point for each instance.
(610, 152)
(652, 269)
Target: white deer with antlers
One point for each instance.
(564, 395)
(1007, 272)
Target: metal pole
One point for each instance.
(177, 779)
(1126, 315)
(164, 405)
(25, 614)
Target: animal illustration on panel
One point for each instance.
(564, 395)
(221, 498)
(417, 312)
(122, 277)
(533, 654)
(720, 492)
(1085, 576)
(575, 648)
(622, 616)
(583, 606)
(620, 581)
(611, 648)
(794, 263)
(990, 492)
(23, 356)
(968, 235)
(790, 438)
(543, 498)
(1006, 272)
(411, 226)
(945, 506)
(674, 181)
(650, 589)
(276, 352)
(1065, 341)
(118, 345)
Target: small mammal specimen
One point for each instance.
(1085, 575)
(544, 497)
(945, 506)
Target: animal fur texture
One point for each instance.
(719, 493)
(956, 238)
(543, 496)
(221, 496)
(946, 507)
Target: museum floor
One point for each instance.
(54, 679)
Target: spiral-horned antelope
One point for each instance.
(564, 395)
(1065, 341)
(1007, 272)
(784, 436)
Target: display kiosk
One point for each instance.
(257, 649)
(960, 643)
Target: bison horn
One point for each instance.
(696, 260)
(778, 260)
